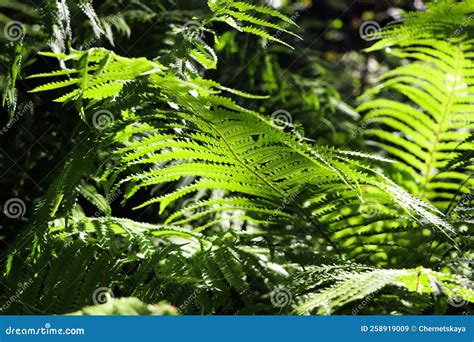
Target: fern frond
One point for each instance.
(352, 286)
(233, 205)
(220, 146)
(102, 74)
(430, 111)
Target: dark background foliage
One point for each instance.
(298, 208)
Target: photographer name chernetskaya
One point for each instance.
(446, 328)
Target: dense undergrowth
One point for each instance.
(170, 177)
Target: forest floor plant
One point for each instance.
(239, 212)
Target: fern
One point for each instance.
(429, 113)
(102, 75)
(352, 286)
(35, 28)
(230, 206)
(203, 139)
